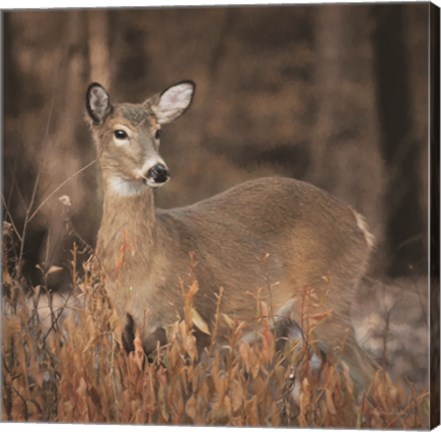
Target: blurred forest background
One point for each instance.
(336, 95)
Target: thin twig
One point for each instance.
(410, 405)
(25, 226)
(55, 318)
(59, 187)
(8, 213)
(14, 170)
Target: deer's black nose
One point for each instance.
(158, 173)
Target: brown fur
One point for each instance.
(311, 239)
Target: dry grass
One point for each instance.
(72, 368)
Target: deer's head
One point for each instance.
(128, 135)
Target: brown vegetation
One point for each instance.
(72, 368)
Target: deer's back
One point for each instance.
(272, 230)
(265, 210)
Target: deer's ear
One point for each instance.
(173, 101)
(97, 103)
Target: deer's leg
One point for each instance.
(128, 334)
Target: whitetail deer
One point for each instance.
(310, 239)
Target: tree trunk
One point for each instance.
(345, 154)
(401, 150)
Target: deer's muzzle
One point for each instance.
(158, 174)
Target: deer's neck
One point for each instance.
(126, 238)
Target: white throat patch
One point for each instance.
(123, 187)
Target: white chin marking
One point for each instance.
(123, 187)
(152, 184)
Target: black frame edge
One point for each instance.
(434, 228)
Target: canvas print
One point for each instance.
(221, 216)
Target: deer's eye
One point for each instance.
(158, 134)
(120, 134)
